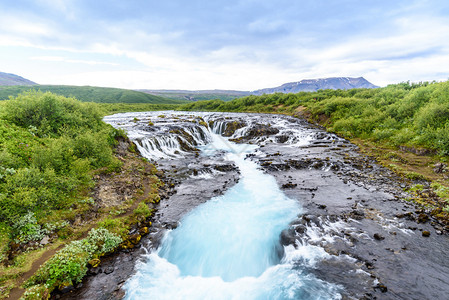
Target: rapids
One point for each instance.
(228, 247)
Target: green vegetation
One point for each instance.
(415, 115)
(199, 95)
(69, 265)
(113, 108)
(89, 94)
(51, 147)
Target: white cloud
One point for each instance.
(73, 61)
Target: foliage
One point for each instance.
(49, 146)
(69, 265)
(411, 114)
(112, 108)
(142, 211)
(89, 94)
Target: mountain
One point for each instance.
(90, 94)
(312, 85)
(11, 79)
(306, 85)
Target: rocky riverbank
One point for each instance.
(375, 244)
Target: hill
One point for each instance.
(90, 94)
(306, 85)
(313, 85)
(225, 95)
(7, 79)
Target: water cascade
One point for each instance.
(228, 247)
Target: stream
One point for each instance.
(270, 207)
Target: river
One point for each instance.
(270, 207)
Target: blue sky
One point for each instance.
(233, 44)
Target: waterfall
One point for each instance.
(228, 247)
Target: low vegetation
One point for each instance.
(89, 94)
(54, 151)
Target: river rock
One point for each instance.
(288, 237)
(378, 236)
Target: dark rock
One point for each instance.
(67, 289)
(423, 218)
(426, 233)
(288, 237)
(381, 287)
(369, 265)
(108, 270)
(289, 185)
(231, 127)
(281, 138)
(260, 130)
(94, 271)
(378, 237)
(300, 229)
(135, 238)
(357, 214)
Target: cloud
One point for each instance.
(240, 44)
(72, 61)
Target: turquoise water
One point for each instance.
(228, 247)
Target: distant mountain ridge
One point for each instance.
(313, 85)
(306, 85)
(7, 79)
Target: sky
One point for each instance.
(223, 44)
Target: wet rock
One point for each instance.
(301, 229)
(426, 233)
(381, 288)
(231, 127)
(108, 270)
(289, 185)
(282, 138)
(143, 230)
(259, 130)
(409, 216)
(357, 214)
(94, 271)
(135, 238)
(66, 288)
(378, 236)
(288, 237)
(225, 168)
(336, 248)
(423, 218)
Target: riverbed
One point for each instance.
(271, 207)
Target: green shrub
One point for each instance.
(434, 115)
(142, 211)
(69, 265)
(50, 114)
(37, 292)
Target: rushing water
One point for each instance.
(228, 247)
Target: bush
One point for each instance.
(69, 265)
(433, 115)
(50, 114)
